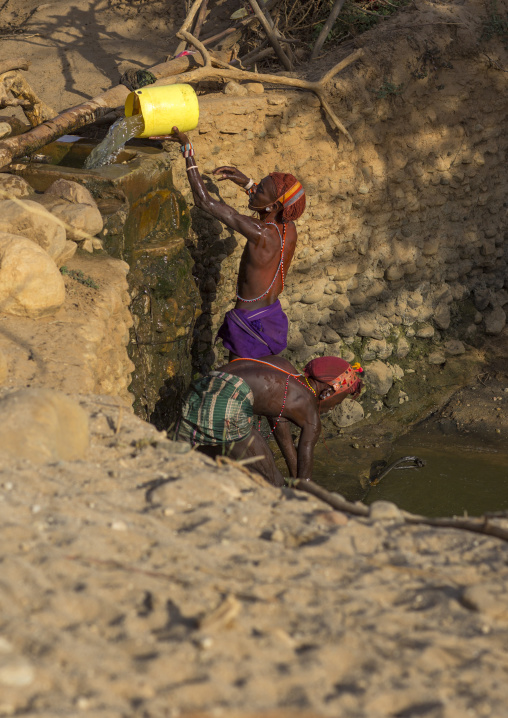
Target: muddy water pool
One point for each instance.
(461, 476)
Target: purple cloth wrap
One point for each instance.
(255, 333)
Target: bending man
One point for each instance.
(257, 326)
(218, 413)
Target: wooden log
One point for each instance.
(17, 63)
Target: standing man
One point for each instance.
(218, 412)
(257, 326)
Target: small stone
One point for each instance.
(205, 643)
(119, 526)
(42, 425)
(384, 511)
(403, 348)
(425, 332)
(442, 316)
(5, 645)
(68, 251)
(87, 245)
(16, 674)
(277, 535)
(483, 600)
(255, 88)
(347, 413)
(436, 358)
(333, 518)
(495, 321)
(379, 377)
(5, 129)
(234, 88)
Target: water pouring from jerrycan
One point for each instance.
(149, 111)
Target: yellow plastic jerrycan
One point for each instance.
(164, 107)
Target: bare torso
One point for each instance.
(259, 266)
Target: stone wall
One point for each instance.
(402, 248)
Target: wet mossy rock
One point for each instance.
(145, 222)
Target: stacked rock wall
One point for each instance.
(403, 245)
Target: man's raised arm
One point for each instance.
(250, 227)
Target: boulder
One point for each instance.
(379, 377)
(368, 327)
(82, 220)
(71, 192)
(42, 425)
(13, 186)
(30, 283)
(329, 335)
(29, 219)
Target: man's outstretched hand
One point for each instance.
(231, 173)
(175, 136)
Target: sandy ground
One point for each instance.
(141, 582)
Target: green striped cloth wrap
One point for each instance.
(218, 409)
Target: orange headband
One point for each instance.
(292, 195)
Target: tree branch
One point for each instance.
(271, 35)
(480, 526)
(337, 7)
